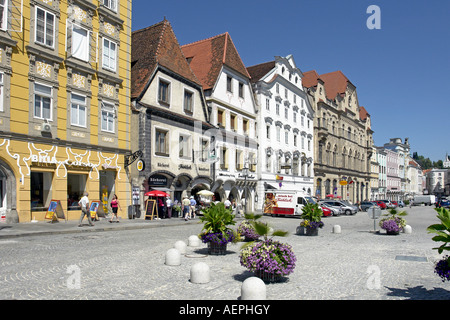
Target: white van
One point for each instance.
(424, 199)
(282, 202)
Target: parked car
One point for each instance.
(388, 203)
(326, 212)
(401, 204)
(442, 203)
(365, 205)
(339, 204)
(348, 203)
(394, 203)
(335, 211)
(381, 204)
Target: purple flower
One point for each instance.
(442, 268)
(218, 237)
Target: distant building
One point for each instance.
(447, 161)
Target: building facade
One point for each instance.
(64, 70)
(382, 176)
(284, 128)
(342, 136)
(232, 111)
(169, 116)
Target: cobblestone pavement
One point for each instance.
(129, 263)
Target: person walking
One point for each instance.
(84, 204)
(192, 204)
(114, 206)
(169, 207)
(186, 208)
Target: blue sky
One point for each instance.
(401, 71)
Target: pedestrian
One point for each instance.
(161, 209)
(186, 210)
(114, 206)
(227, 204)
(84, 204)
(169, 207)
(192, 204)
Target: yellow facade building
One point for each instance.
(64, 104)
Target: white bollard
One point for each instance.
(336, 229)
(407, 229)
(253, 288)
(180, 246)
(194, 241)
(173, 257)
(200, 273)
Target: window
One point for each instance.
(80, 43)
(109, 55)
(204, 150)
(295, 140)
(76, 185)
(267, 104)
(45, 27)
(241, 90)
(220, 119)
(1, 91)
(286, 113)
(107, 117)
(42, 102)
(229, 84)
(188, 101)
(183, 151)
(164, 91)
(3, 14)
(40, 190)
(245, 126)
(233, 125)
(161, 142)
(278, 109)
(238, 160)
(268, 131)
(224, 158)
(286, 137)
(111, 4)
(278, 134)
(295, 117)
(78, 110)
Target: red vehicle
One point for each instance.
(381, 204)
(326, 212)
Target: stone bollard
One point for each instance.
(253, 288)
(336, 229)
(407, 229)
(173, 257)
(180, 246)
(200, 273)
(194, 241)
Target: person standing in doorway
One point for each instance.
(84, 204)
(114, 206)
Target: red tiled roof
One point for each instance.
(310, 79)
(363, 114)
(207, 57)
(153, 46)
(335, 84)
(260, 70)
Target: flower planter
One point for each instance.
(217, 249)
(268, 277)
(392, 233)
(312, 231)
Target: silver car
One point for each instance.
(348, 210)
(335, 211)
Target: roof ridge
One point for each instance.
(146, 28)
(165, 22)
(207, 39)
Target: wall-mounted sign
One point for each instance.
(157, 180)
(140, 165)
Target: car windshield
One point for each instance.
(310, 200)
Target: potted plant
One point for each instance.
(216, 232)
(394, 223)
(246, 229)
(312, 220)
(268, 259)
(442, 267)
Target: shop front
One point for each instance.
(44, 173)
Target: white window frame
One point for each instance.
(108, 109)
(109, 55)
(42, 95)
(87, 43)
(168, 93)
(4, 16)
(44, 42)
(184, 147)
(78, 106)
(111, 4)
(187, 108)
(157, 151)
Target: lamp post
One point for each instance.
(245, 175)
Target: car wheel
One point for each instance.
(348, 212)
